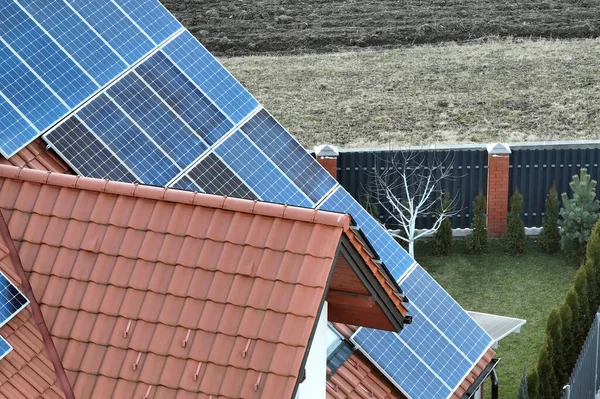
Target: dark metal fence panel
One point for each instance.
(356, 171)
(534, 171)
(585, 380)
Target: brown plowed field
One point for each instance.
(237, 27)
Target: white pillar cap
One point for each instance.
(326, 150)
(498, 149)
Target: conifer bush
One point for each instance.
(575, 308)
(523, 390)
(581, 288)
(533, 384)
(477, 241)
(548, 386)
(578, 214)
(556, 350)
(514, 234)
(569, 351)
(550, 239)
(442, 245)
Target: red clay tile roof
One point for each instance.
(169, 293)
(358, 378)
(27, 371)
(36, 156)
(479, 367)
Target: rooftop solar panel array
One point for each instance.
(12, 301)
(55, 54)
(158, 108)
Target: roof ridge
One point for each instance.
(136, 190)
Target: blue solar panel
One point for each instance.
(185, 183)
(211, 77)
(183, 96)
(259, 173)
(115, 27)
(152, 17)
(393, 255)
(76, 37)
(5, 348)
(12, 301)
(87, 154)
(14, 129)
(43, 56)
(442, 336)
(290, 156)
(151, 114)
(429, 298)
(27, 92)
(401, 364)
(127, 141)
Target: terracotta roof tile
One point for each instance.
(26, 372)
(36, 156)
(224, 274)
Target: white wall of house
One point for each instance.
(314, 385)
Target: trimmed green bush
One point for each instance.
(477, 241)
(556, 351)
(569, 352)
(548, 385)
(442, 245)
(550, 239)
(581, 288)
(592, 288)
(514, 234)
(575, 308)
(579, 214)
(533, 384)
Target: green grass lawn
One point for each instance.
(526, 287)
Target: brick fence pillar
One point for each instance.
(327, 156)
(497, 188)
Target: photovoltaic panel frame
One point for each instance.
(5, 348)
(12, 301)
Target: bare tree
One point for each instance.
(408, 186)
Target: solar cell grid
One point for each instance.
(186, 184)
(27, 92)
(76, 37)
(90, 157)
(400, 364)
(214, 177)
(42, 55)
(5, 348)
(152, 17)
(431, 299)
(184, 98)
(258, 172)
(288, 155)
(435, 350)
(151, 114)
(214, 80)
(119, 133)
(114, 26)
(12, 301)
(14, 129)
